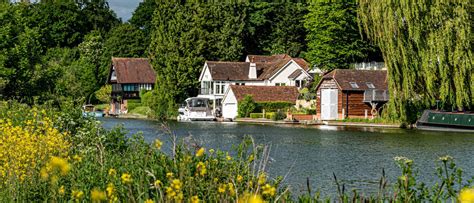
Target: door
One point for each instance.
(229, 110)
(329, 104)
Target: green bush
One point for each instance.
(142, 110)
(279, 115)
(256, 115)
(273, 106)
(246, 106)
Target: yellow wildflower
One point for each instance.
(211, 151)
(267, 189)
(221, 188)
(126, 178)
(61, 190)
(466, 195)
(61, 164)
(228, 157)
(169, 175)
(216, 180)
(149, 201)
(250, 198)
(200, 152)
(77, 158)
(195, 199)
(262, 178)
(176, 184)
(110, 190)
(201, 167)
(251, 158)
(112, 172)
(77, 194)
(157, 183)
(97, 195)
(158, 143)
(239, 178)
(231, 189)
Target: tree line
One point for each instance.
(62, 48)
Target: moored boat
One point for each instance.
(196, 109)
(460, 121)
(88, 110)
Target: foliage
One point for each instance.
(141, 110)
(103, 94)
(427, 47)
(367, 120)
(99, 165)
(268, 115)
(273, 106)
(246, 106)
(279, 115)
(334, 40)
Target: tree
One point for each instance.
(427, 47)
(334, 40)
(104, 94)
(288, 31)
(142, 17)
(246, 106)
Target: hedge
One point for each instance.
(272, 106)
(268, 115)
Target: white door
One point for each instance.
(329, 104)
(229, 110)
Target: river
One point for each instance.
(356, 155)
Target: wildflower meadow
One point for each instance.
(50, 153)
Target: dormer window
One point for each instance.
(354, 85)
(370, 85)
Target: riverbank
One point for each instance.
(310, 122)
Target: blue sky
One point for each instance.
(124, 8)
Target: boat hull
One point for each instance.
(435, 120)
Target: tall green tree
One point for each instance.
(427, 46)
(288, 32)
(333, 36)
(142, 17)
(20, 51)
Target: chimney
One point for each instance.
(253, 71)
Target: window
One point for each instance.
(300, 83)
(280, 84)
(370, 85)
(240, 83)
(220, 87)
(354, 85)
(113, 76)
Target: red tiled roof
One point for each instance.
(267, 66)
(133, 70)
(343, 78)
(266, 93)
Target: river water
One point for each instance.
(356, 155)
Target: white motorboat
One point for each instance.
(196, 109)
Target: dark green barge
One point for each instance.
(448, 120)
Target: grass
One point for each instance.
(141, 110)
(101, 106)
(366, 120)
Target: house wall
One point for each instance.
(353, 102)
(229, 106)
(282, 76)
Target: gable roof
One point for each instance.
(266, 93)
(344, 77)
(133, 70)
(267, 66)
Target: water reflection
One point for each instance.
(356, 155)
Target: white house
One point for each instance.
(235, 93)
(257, 70)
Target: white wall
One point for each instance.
(282, 76)
(229, 106)
(205, 74)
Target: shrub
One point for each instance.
(246, 106)
(256, 115)
(273, 106)
(103, 94)
(279, 115)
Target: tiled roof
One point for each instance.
(295, 73)
(344, 77)
(266, 93)
(267, 66)
(133, 70)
